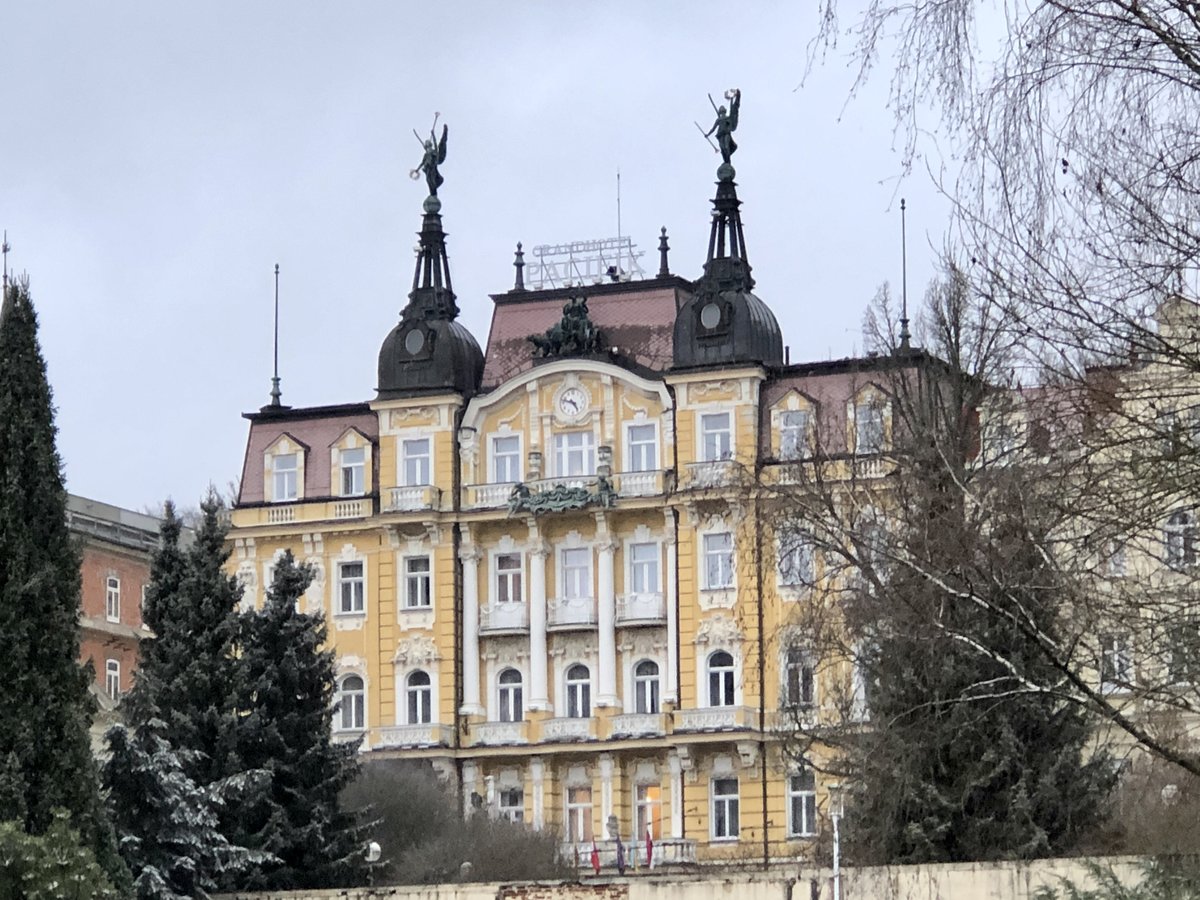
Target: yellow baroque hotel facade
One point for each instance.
(541, 564)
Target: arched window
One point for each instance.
(645, 686)
(352, 714)
(1181, 539)
(420, 698)
(511, 709)
(720, 679)
(579, 692)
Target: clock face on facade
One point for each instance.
(572, 402)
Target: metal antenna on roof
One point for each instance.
(5, 248)
(275, 377)
(620, 255)
(905, 337)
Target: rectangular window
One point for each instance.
(112, 679)
(868, 427)
(417, 587)
(1116, 663)
(284, 466)
(415, 455)
(350, 587)
(643, 568)
(506, 459)
(802, 804)
(112, 598)
(800, 679)
(716, 440)
(647, 812)
(576, 573)
(574, 454)
(508, 578)
(1183, 648)
(579, 815)
(725, 820)
(718, 561)
(354, 468)
(512, 804)
(793, 434)
(795, 558)
(643, 448)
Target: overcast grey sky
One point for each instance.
(160, 158)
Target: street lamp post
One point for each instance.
(835, 814)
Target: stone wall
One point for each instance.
(963, 881)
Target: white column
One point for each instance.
(537, 777)
(607, 694)
(606, 791)
(470, 556)
(676, 794)
(670, 598)
(539, 697)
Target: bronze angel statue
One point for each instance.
(726, 123)
(435, 155)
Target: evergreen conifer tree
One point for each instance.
(45, 709)
(284, 727)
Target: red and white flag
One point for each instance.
(649, 848)
(595, 856)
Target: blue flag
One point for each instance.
(620, 857)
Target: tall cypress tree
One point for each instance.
(45, 708)
(284, 727)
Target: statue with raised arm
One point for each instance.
(726, 124)
(435, 155)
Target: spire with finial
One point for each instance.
(275, 404)
(519, 265)
(905, 337)
(5, 248)
(663, 269)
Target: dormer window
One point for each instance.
(868, 426)
(353, 472)
(284, 467)
(793, 434)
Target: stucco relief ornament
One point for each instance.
(416, 651)
(718, 631)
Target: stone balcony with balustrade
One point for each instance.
(503, 618)
(666, 851)
(641, 609)
(432, 735)
(571, 614)
(716, 718)
(711, 475)
(494, 734)
(638, 725)
(324, 509)
(413, 498)
(569, 729)
(627, 485)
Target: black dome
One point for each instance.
(424, 356)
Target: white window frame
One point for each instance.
(647, 812)
(572, 585)
(709, 554)
(507, 574)
(704, 431)
(726, 694)
(418, 698)
(1180, 539)
(510, 696)
(1116, 663)
(284, 495)
(730, 803)
(802, 800)
(647, 688)
(413, 581)
(869, 406)
(797, 659)
(494, 474)
(631, 458)
(356, 470)
(112, 678)
(578, 692)
(564, 454)
(340, 586)
(510, 804)
(634, 564)
(410, 454)
(112, 598)
(578, 814)
(792, 545)
(352, 715)
(796, 435)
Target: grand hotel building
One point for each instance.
(541, 565)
